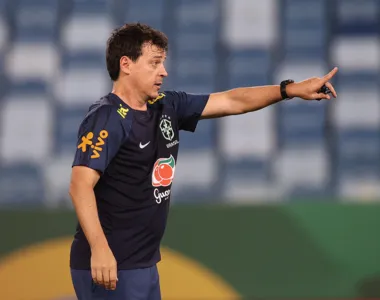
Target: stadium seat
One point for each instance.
(91, 7)
(304, 28)
(201, 44)
(57, 187)
(22, 138)
(306, 167)
(196, 172)
(202, 139)
(71, 90)
(360, 108)
(28, 61)
(355, 17)
(67, 124)
(21, 185)
(302, 123)
(247, 136)
(198, 71)
(249, 24)
(356, 54)
(36, 20)
(24, 88)
(248, 67)
(86, 33)
(247, 180)
(358, 150)
(136, 11)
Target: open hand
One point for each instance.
(310, 89)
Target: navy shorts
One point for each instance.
(138, 284)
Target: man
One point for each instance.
(126, 158)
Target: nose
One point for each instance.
(163, 72)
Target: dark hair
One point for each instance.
(128, 41)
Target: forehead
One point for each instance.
(149, 51)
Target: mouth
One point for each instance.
(158, 85)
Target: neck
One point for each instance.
(129, 95)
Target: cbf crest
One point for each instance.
(166, 127)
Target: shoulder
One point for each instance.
(102, 113)
(106, 108)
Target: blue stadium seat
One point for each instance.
(301, 123)
(355, 17)
(358, 79)
(195, 70)
(86, 32)
(247, 180)
(150, 12)
(360, 108)
(194, 195)
(21, 184)
(248, 67)
(25, 131)
(356, 55)
(29, 87)
(32, 61)
(197, 16)
(36, 21)
(304, 28)
(84, 78)
(57, 187)
(73, 91)
(358, 151)
(67, 124)
(194, 44)
(298, 170)
(203, 138)
(83, 59)
(90, 7)
(195, 176)
(254, 169)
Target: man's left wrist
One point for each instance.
(286, 89)
(291, 90)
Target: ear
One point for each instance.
(125, 65)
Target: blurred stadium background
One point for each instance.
(317, 163)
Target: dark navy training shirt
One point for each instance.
(136, 155)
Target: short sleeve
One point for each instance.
(99, 138)
(189, 108)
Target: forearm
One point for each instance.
(84, 202)
(247, 99)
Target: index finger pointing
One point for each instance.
(330, 75)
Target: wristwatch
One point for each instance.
(283, 85)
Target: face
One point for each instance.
(148, 72)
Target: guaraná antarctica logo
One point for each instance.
(162, 175)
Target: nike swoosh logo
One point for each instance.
(143, 146)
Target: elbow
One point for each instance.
(71, 190)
